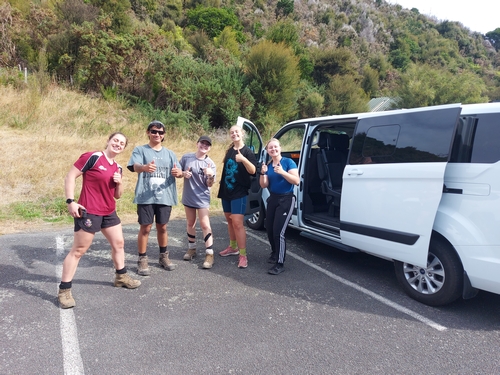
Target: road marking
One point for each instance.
(72, 360)
(379, 298)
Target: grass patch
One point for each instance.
(48, 210)
(42, 148)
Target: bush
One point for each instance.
(273, 78)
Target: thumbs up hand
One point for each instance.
(117, 178)
(263, 169)
(150, 167)
(278, 169)
(239, 157)
(176, 172)
(187, 174)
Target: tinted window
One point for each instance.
(485, 145)
(412, 137)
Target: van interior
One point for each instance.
(322, 177)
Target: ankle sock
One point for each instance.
(243, 252)
(233, 244)
(65, 285)
(122, 271)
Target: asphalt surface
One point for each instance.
(330, 312)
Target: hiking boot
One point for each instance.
(126, 281)
(243, 261)
(229, 251)
(166, 263)
(190, 254)
(65, 298)
(276, 269)
(142, 266)
(209, 261)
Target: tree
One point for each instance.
(227, 40)
(330, 62)
(284, 31)
(344, 95)
(312, 105)
(118, 11)
(403, 51)
(273, 79)
(212, 20)
(284, 8)
(370, 81)
(102, 54)
(424, 85)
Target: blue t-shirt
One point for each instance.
(277, 183)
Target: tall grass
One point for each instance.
(42, 135)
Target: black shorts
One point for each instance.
(147, 212)
(94, 223)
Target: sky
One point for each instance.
(477, 15)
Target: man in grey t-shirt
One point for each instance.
(155, 193)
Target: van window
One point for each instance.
(291, 142)
(252, 139)
(410, 138)
(485, 145)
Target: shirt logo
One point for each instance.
(102, 168)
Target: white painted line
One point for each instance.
(72, 360)
(379, 298)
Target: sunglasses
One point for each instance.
(160, 132)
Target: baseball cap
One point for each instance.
(156, 124)
(205, 138)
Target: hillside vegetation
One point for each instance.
(204, 62)
(95, 66)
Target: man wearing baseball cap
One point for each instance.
(155, 193)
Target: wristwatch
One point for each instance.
(69, 200)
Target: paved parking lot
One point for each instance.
(329, 313)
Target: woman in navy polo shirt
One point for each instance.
(279, 176)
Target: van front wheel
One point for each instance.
(437, 284)
(256, 221)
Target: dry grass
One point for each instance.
(41, 137)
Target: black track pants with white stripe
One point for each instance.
(279, 211)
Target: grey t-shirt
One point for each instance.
(196, 193)
(158, 187)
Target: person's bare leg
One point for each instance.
(81, 243)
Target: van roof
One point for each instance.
(467, 109)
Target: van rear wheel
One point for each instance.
(437, 284)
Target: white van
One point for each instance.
(420, 187)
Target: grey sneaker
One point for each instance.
(190, 254)
(209, 261)
(166, 263)
(126, 281)
(65, 298)
(142, 266)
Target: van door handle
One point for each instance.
(355, 172)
